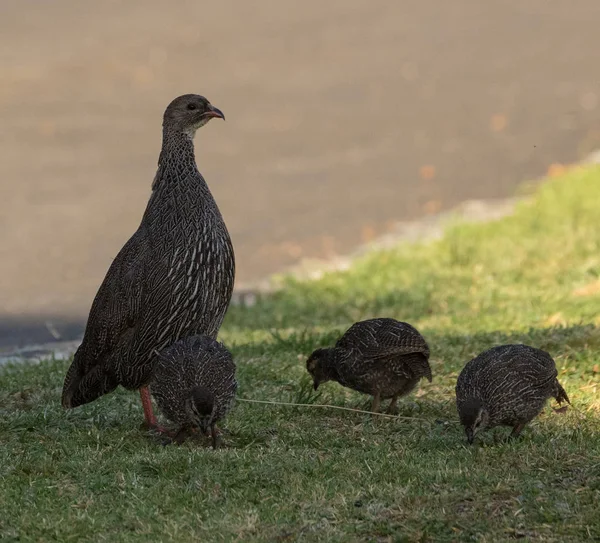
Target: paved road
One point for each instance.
(342, 117)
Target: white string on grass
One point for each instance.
(325, 406)
(385, 415)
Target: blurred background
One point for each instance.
(343, 118)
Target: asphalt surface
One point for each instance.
(343, 117)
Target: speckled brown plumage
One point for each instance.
(506, 385)
(173, 278)
(194, 383)
(382, 357)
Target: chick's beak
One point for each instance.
(203, 428)
(470, 436)
(214, 112)
(316, 385)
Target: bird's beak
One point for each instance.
(203, 428)
(214, 112)
(470, 436)
(316, 385)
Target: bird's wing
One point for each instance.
(411, 365)
(383, 338)
(113, 318)
(535, 363)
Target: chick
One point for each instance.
(194, 384)
(506, 386)
(382, 357)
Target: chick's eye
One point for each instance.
(191, 106)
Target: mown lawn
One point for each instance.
(312, 474)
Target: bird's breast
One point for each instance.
(193, 283)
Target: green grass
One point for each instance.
(310, 474)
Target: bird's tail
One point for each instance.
(420, 366)
(71, 383)
(559, 393)
(83, 387)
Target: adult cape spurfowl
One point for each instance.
(172, 279)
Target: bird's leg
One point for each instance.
(517, 430)
(150, 422)
(393, 408)
(214, 435)
(376, 402)
(147, 406)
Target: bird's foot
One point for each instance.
(160, 430)
(188, 432)
(561, 410)
(155, 428)
(179, 436)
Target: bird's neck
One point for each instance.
(177, 161)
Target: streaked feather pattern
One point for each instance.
(172, 279)
(191, 362)
(511, 382)
(382, 357)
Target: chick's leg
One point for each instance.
(393, 408)
(376, 402)
(214, 434)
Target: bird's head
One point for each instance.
(320, 366)
(474, 417)
(188, 113)
(200, 408)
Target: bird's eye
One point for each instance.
(191, 106)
